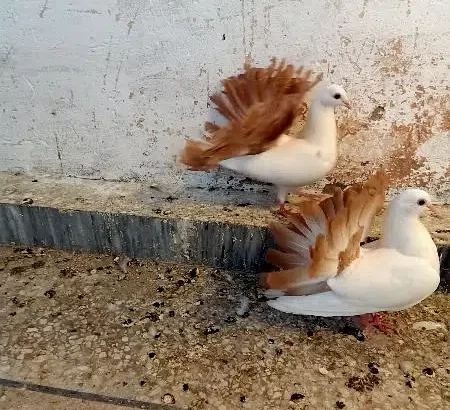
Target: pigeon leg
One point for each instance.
(282, 195)
(283, 211)
(371, 321)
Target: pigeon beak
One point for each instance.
(347, 104)
(432, 208)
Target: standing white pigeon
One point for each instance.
(326, 273)
(260, 106)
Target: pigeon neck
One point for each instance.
(407, 234)
(320, 127)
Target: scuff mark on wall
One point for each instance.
(30, 85)
(89, 11)
(252, 27)
(131, 22)
(58, 152)
(43, 9)
(408, 5)
(8, 54)
(364, 8)
(446, 121)
(119, 69)
(244, 40)
(107, 59)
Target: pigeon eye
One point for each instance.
(337, 96)
(421, 202)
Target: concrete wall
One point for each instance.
(111, 88)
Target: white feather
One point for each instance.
(321, 304)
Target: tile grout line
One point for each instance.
(80, 395)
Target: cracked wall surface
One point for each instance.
(111, 88)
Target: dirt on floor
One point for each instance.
(199, 338)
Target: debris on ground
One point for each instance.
(179, 334)
(244, 304)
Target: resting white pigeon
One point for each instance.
(326, 273)
(261, 105)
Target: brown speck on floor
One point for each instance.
(297, 396)
(38, 264)
(50, 293)
(120, 340)
(373, 368)
(428, 371)
(168, 399)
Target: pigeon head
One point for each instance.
(413, 202)
(333, 96)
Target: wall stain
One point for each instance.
(403, 161)
(76, 133)
(58, 151)
(408, 10)
(90, 11)
(398, 145)
(8, 54)
(43, 9)
(130, 26)
(244, 40)
(336, 4)
(107, 59)
(71, 99)
(119, 69)
(446, 121)
(377, 113)
(364, 9)
(253, 24)
(94, 119)
(131, 22)
(349, 125)
(267, 24)
(392, 60)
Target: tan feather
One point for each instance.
(332, 230)
(211, 127)
(327, 206)
(287, 260)
(351, 251)
(300, 226)
(289, 240)
(285, 280)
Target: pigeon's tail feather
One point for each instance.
(322, 304)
